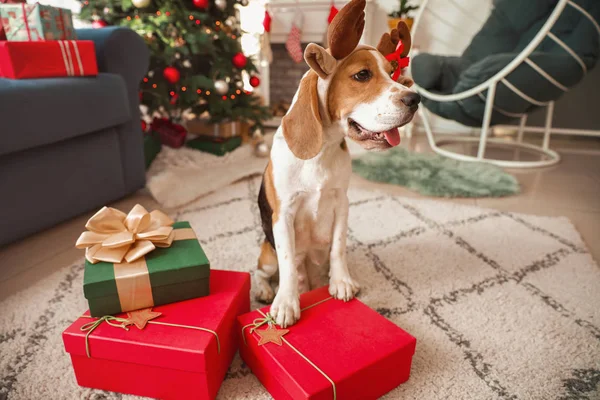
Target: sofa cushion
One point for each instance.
(36, 112)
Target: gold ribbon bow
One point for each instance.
(114, 236)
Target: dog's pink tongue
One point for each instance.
(392, 136)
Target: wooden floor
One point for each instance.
(571, 189)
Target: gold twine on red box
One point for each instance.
(123, 323)
(276, 335)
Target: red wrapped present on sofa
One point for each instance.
(47, 59)
(176, 351)
(337, 350)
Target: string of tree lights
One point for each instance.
(196, 64)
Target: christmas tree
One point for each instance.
(196, 62)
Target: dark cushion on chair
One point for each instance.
(509, 29)
(52, 110)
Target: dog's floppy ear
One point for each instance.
(389, 41)
(319, 60)
(302, 125)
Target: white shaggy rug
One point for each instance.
(180, 176)
(503, 306)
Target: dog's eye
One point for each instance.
(362, 76)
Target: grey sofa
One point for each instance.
(70, 145)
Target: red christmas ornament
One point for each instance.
(99, 24)
(239, 60)
(254, 81)
(171, 74)
(144, 125)
(174, 99)
(201, 3)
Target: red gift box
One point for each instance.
(171, 134)
(47, 59)
(171, 358)
(338, 350)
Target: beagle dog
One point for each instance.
(347, 93)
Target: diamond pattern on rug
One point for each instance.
(385, 218)
(440, 369)
(577, 292)
(511, 251)
(529, 350)
(427, 274)
(503, 306)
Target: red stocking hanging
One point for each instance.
(294, 42)
(265, 40)
(332, 13)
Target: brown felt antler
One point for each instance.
(346, 29)
(389, 41)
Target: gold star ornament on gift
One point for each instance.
(140, 318)
(271, 335)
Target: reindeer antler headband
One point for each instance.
(347, 27)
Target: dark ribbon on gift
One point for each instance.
(123, 324)
(396, 57)
(270, 321)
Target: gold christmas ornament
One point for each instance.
(141, 3)
(261, 149)
(221, 87)
(221, 4)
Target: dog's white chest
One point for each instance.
(314, 220)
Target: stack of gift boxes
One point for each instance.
(216, 138)
(162, 324)
(38, 41)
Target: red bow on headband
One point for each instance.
(401, 61)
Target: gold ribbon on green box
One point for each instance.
(123, 240)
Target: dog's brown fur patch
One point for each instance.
(302, 126)
(345, 93)
(268, 204)
(267, 255)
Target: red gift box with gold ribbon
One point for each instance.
(182, 350)
(336, 351)
(47, 59)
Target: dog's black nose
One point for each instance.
(411, 99)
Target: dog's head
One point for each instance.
(351, 85)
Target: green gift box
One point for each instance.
(214, 145)
(35, 22)
(164, 275)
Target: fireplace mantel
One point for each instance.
(315, 14)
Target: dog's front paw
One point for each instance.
(343, 289)
(285, 309)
